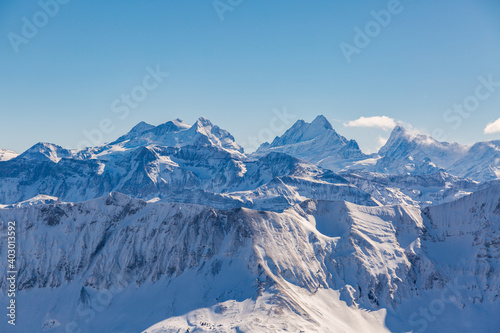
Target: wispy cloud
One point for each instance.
(493, 127)
(381, 141)
(383, 122)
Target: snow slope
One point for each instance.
(315, 142)
(173, 228)
(203, 166)
(6, 154)
(416, 190)
(408, 152)
(253, 270)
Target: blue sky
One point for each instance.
(262, 58)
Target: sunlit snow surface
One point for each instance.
(173, 228)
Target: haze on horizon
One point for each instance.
(364, 66)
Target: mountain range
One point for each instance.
(174, 228)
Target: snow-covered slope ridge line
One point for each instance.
(173, 162)
(316, 142)
(275, 266)
(410, 152)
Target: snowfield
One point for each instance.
(173, 228)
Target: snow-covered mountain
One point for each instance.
(316, 142)
(404, 145)
(121, 264)
(6, 154)
(481, 162)
(419, 190)
(177, 134)
(46, 152)
(173, 228)
(204, 165)
(408, 152)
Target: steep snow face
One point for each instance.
(6, 154)
(270, 242)
(177, 134)
(179, 257)
(198, 174)
(315, 142)
(38, 200)
(464, 239)
(244, 269)
(302, 131)
(46, 152)
(139, 129)
(415, 190)
(482, 162)
(418, 154)
(266, 313)
(415, 153)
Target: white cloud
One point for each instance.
(381, 141)
(493, 127)
(383, 122)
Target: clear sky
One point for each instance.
(74, 69)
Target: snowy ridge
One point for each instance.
(46, 152)
(177, 133)
(415, 190)
(204, 174)
(173, 228)
(407, 152)
(482, 162)
(315, 142)
(372, 258)
(6, 154)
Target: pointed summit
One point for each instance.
(399, 129)
(43, 151)
(399, 132)
(302, 131)
(203, 122)
(205, 132)
(321, 121)
(315, 142)
(419, 148)
(169, 127)
(141, 127)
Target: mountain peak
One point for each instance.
(141, 127)
(321, 121)
(204, 131)
(411, 145)
(203, 122)
(44, 151)
(169, 127)
(302, 131)
(180, 123)
(315, 142)
(399, 128)
(6, 154)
